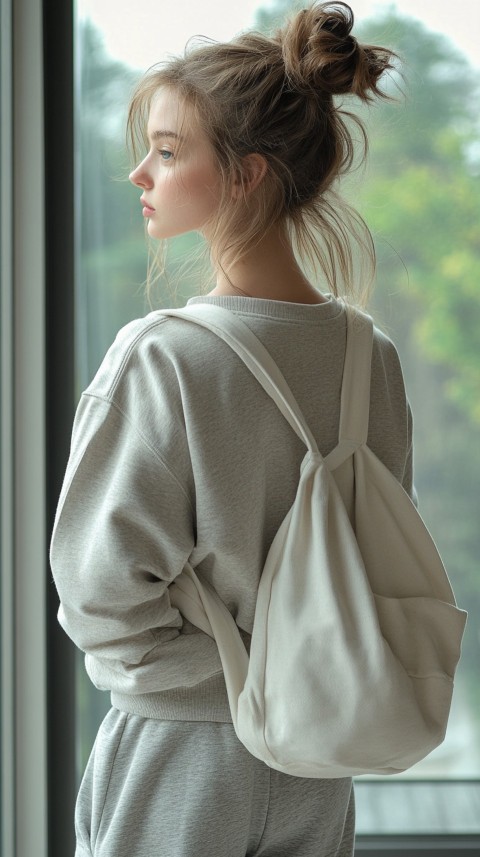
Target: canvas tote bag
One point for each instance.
(356, 633)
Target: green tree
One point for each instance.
(110, 243)
(423, 193)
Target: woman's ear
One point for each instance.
(254, 167)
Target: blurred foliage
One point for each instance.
(110, 246)
(423, 194)
(421, 191)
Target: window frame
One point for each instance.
(458, 845)
(58, 69)
(24, 798)
(7, 712)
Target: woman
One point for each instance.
(178, 454)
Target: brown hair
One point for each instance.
(275, 96)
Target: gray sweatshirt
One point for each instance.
(179, 455)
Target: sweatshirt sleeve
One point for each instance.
(393, 440)
(124, 530)
(408, 482)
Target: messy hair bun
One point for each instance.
(275, 96)
(321, 54)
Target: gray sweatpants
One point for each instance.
(158, 788)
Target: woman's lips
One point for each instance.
(147, 210)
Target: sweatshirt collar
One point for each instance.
(328, 309)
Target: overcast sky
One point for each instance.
(143, 33)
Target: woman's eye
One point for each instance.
(165, 154)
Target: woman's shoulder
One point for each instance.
(387, 390)
(149, 345)
(386, 353)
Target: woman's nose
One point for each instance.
(140, 177)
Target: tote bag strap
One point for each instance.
(355, 393)
(243, 341)
(357, 370)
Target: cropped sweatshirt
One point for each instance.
(178, 455)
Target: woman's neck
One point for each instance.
(270, 271)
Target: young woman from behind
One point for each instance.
(178, 455)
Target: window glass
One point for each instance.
(419, 195)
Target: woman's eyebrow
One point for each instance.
(157, 135)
